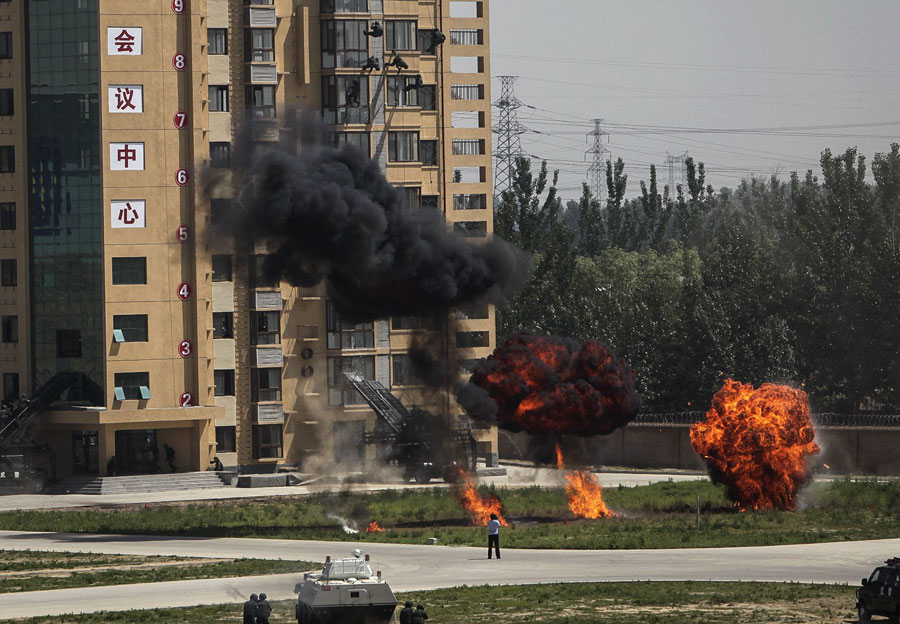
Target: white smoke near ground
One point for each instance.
(348, 525)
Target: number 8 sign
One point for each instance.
(177, 7)
(179, 61)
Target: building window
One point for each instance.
(218, 98)
(346, 335)
(220, 155)
(465, 36)
(468, 201)
(401, 323)
(7, 216)
(259, 45)
(428, 97)
(7, 107)
(359, 139)
(221, 268)
(218, 211)
(7, 159)
(471, 229)
(468, 147)
(344, 6)
(403, 146)
(266, 441)
(430, 202)
(68, 343)
(9, 276)
(10, 386)
(129, 271)
(335, 107)
(224, 382)
(132, 386)
(6, 51)
(260, 101)
(10, 328)
(400, 35)
(473, 311)
(132, 326)
(266, 328)
(340, 392)
(344, 43)
(223, 324)
(465, 92)
(410, 196)
(471, 339)
(265, 384)
(398, 94)
(226, 439)
(218, 40)
(428, 153)
(403, 372)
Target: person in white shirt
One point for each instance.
(493, 526)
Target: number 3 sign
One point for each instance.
(185, 348)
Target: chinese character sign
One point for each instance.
(124, 41)
(126, 156)
(131, 213)
(126, 98)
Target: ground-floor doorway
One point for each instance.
(85, 453)
(137, 452)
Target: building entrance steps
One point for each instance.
(145, 483)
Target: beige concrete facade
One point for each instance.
(258, 363)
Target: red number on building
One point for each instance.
(180, 119)
(179, 62)
(177, 7)
(185, 348)
(182, 234)
(184, 291)
(186, 399)
(182, 177)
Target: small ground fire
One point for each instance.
(374, 528)
(554, 385)
(479, 507)
(584, 492)
(755, 442)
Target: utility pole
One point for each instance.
(682, 174)
(508, 131)
(596, 172)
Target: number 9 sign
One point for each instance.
(177, 7)
(186, 399)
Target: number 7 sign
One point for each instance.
(180, 119)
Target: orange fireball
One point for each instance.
(374, 528)
(755, 442)
(479, 507)
(584, 492)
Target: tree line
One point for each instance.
(794, 281)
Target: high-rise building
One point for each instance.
(114, 261)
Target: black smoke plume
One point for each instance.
(330, 214)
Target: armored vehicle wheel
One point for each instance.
(864, 614)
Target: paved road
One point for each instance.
(412, 567)
(516, 477)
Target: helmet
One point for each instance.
(409, 603)
(254, 597)
(421, 606)
(356, 552)
(262, 596)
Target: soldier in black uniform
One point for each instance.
(250, 610)
(263, 610)
(376, 31)
(419, 616)
(406, 613)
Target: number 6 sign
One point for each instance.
(182, 177)
(177, 7)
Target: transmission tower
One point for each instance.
(508, 131)
(682, 174)
(597, 171)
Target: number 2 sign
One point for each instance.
(186, 399)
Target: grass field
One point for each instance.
(612, 603)
(662, 515)
(35, 570)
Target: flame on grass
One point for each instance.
(374, 528)
(584, 492)
(478, 507)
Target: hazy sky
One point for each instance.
(710, 64)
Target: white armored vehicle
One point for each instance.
(346, 592)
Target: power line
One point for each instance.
(595, 171)
(508, 130)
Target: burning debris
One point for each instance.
(479, 507)
(331, 214)
(345, 524)
(756, 442)
(374, 528)
(552, 385)
(584, 492)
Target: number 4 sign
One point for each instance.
(184, 291)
